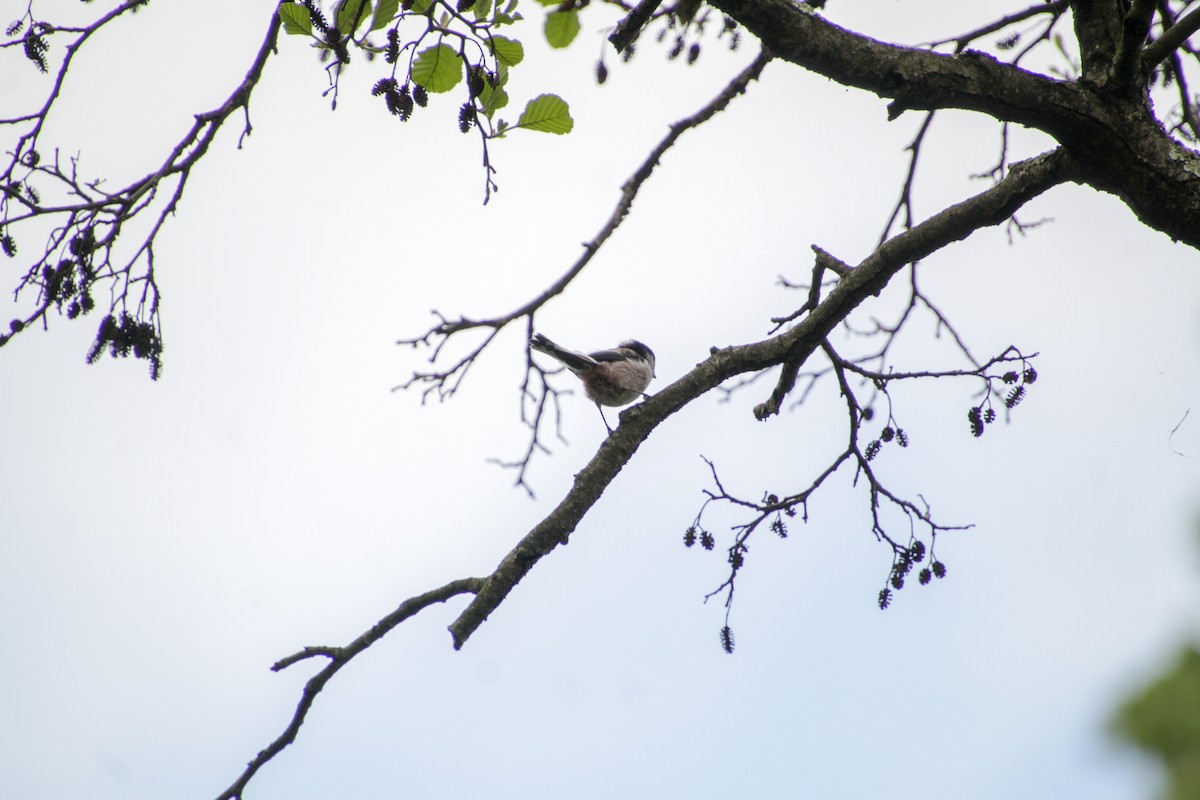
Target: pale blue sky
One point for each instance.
(166, 542)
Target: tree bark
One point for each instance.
(1109, 130)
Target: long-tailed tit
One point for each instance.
(610, 377)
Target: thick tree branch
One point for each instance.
(1026, 180)
(915, 78)
(1134, 30)
(627, 30)
(1098, 31)
(339, 656)
(1115, 139)
(444, 382)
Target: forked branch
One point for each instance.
(443, 382)
(82, 250)
(339, 657)
(1025, 180)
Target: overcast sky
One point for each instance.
(165, 542)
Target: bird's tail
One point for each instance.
(572, 359)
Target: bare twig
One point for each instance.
(1025, 180)
(1175, 430)
(443, 383)
(80, 251)
(906, 550)
(965, 40)
(905, 202)
(437, 335)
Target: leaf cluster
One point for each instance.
(435, 47)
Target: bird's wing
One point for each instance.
(616, 354)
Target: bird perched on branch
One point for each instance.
(610, 377)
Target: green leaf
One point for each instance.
(508, 52)
(562, 27)
(438, 68)
(421, 6)
(492, 98)
(296, 20)
(483, 9)
(507, 15)
(385, 12)
(349, 12)
(547, 113)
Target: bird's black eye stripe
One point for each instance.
(639, 348)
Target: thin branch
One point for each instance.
(1173, 38)
(1187, 106)
(39, 117)
(1009, 356)
(444, 382)
(905, 202)
(339, 657)
(629, 191)
(84, 243)
(1171, 436)
(1025, 180)
(965, 40)
(822, 262)
(905, 551)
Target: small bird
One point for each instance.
(610, 377)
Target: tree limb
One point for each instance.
(915, 78)
(84, 242)
(1098, 31)
(445, 381)
(1134, 30)
(629, 192)
(1175, 36)
(338, 658)
(1026, 180)
(1116, 141)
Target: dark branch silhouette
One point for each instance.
(1098, 107)
(443, 383)
(339, 657)
(82, 253)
